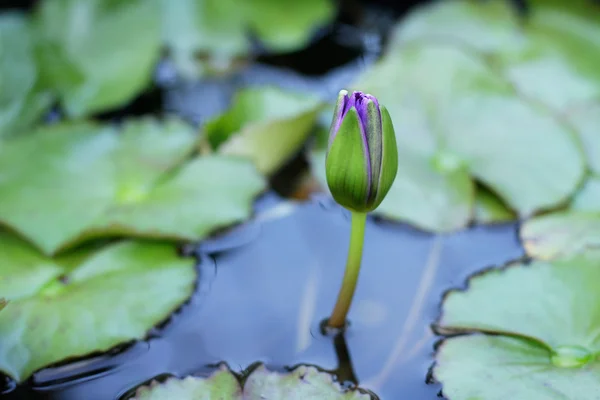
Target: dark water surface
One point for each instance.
(265, 287)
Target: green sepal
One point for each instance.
(346, 165)
(389, 162)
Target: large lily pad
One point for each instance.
(21, 103)
(457, 120)
(266, 125)
(550, 56)
(68, 182)
(547, 316)
(220, 28)
(304, 382)
(114, 295)
(97, 54)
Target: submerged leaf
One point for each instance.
(97, 54)
(266, 125)
(115, 295)
(304, 382)
(96, 181)
(21, 102)
(547, 316)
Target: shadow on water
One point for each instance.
(265, 287)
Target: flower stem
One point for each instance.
(357, 237)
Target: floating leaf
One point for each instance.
(221, 384)
(457, 120)
(586, 120)
(551, 56)
(489, 208)
(21, 104)
(266, 125)
(97, 54)
(219, 28)
(500, 367)
(95, 181)
(561, 234)
(116, 295)
(547, 316)
(304, 382)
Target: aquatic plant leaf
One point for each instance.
(304, 382)
(561, 234)
(567, 232)
(208, 35)
(221, 384)
(21, 101)
(550, 56)
(489, 208)
(547, 316)
(97, 181)
(266, 125)
(585, 119)
(500, 367)
(97, 54)
(288, 28)
(114, 296)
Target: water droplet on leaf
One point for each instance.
(570, 356)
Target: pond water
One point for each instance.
(265, 287)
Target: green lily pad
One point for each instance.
(219, 29)
(567, 232)
(585, 119)
(561, 234)
(457, 121)
(552, 56)
(266, 125)
(490, 209)
(97, 181)
(21, 103)
(547, 316)
(97, 54)
(499, 367)
(115, 295)
(304, 382)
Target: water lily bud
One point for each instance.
(362, 157)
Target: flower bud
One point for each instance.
(362, 157)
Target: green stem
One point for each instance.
(357, 238)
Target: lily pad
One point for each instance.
(220, 29)
(545, 318)
(115, 295)
(97, 54)
(490, 209)
(304, 382)
(266, 125)
(457, 121)
(551, 56)
(98, 181)
(21, 101)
